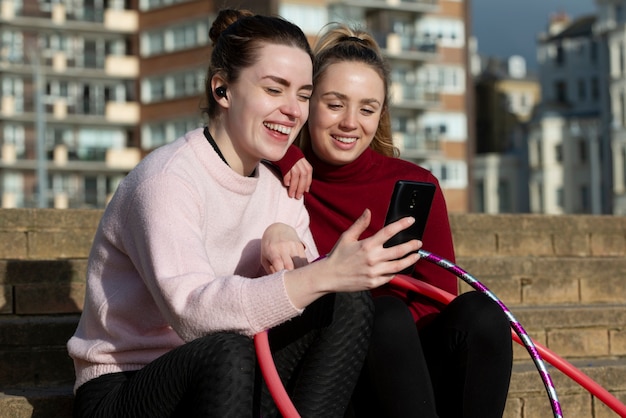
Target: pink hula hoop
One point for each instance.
(288, 410)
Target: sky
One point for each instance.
(510, 27)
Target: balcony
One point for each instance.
(343, 7)
(407, 47)
(72, 110)
(84, 18)
(412, 96)
(417, 146)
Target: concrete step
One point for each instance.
(55, 402)
(527, 395)
(575, 331)
(533, 281)
(33, 350)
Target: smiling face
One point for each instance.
(346, 107)
(266, 107)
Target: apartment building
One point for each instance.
(426, 44)
(610, 30)
(506, 95)
(119, 78)
(69, 108)
(568, 144)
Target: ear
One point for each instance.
(219, 82)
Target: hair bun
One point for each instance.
(224, 19)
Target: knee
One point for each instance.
(224, 348)
(355, 304)
(487, 319)
(392, 318)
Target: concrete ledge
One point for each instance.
(37, 403)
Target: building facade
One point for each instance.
(568, 144)
(506, 96)
(90, 86)
(610, 30)
(427, 47)
(69, 109)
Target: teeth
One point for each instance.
(280, 128)
(345, 140)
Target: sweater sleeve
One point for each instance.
(293, 155)
(163, 237)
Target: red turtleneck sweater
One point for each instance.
(340, 194)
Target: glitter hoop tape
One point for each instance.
(518, 334)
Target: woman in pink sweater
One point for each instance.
(176, 285)
(424, 360)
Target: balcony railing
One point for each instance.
(417, 145)
(396, 44)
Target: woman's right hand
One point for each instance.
(367, 264)
(353, 264)
(299, 178)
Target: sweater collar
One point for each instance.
(341, 173)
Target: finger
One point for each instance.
(288, 263)
(293, 188)
(277, 263)
(394, 266)
(392, 229)
(302, 187)
(359, 226)
(287, 179)
(401, 250)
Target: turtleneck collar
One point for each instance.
(341, 173)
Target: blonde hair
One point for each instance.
(341, 43)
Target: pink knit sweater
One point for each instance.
(177, 256)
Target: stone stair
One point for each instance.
(563, 277)
(564, 280)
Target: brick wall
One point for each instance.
(564, 278)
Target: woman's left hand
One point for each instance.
(281, 248)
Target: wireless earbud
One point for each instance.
(220, 91)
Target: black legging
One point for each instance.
(459, 365)
(319, 356)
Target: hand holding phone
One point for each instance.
(409, 198)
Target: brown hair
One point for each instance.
(341, 43)
(237, 35)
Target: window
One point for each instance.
(480, 196)
(504, 196)
(309, 18)
(595, 89)
(584, 198)
(561, 91)
(451, 174)
(582, 151)
(622, 109)
(175, 38)
(560, 200)
(182, 84)
(582, 89)
(560, 55)
(558, 153)
(12, 46)
(14, 135)
(594, 52)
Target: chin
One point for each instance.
(275, 155)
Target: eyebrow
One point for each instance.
(286, 83)
(342, 96)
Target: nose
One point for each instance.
(293, 107)
(349, 120)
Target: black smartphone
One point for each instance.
(409, 198)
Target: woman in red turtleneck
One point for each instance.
(425, 360)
